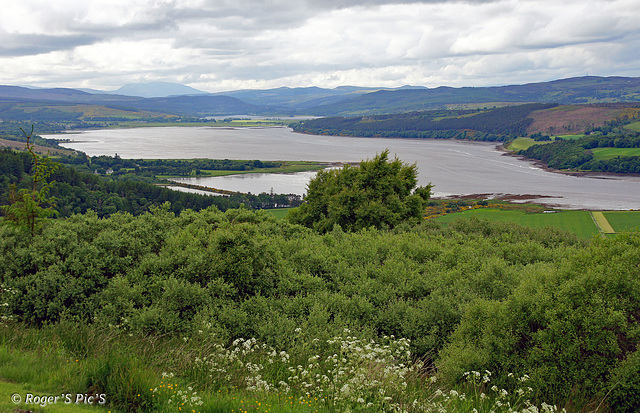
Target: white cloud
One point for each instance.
(226, 44)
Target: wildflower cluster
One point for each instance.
(357, 373)
(492, 399)
(352, 373)
(240, 366)
(174, 398)
(346, 373)
(5, 313)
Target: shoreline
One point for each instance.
(539, 164)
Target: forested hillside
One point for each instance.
(498, 124)
(77, 192)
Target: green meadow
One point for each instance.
(624, 220)
(633, 126)
(578, 222)
(611, 153)
(279, 213)
(522, 143)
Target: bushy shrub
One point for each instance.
(569, 327)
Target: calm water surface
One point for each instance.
(455, 168)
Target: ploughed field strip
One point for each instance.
(602, 222)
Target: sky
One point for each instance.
(222, 45)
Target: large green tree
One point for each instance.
(378, 193)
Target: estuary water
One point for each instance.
(454, 167)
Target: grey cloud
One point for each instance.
(32, 44)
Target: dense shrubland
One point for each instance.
(473, 296)
(364, 308)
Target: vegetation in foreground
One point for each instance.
(185, 294)
(237, 310)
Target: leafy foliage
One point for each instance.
(377, 193)
(568, 328)
(29, 207)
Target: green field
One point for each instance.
(279, 213)
(522, 143)
(578, 222)
(611, 153)
(624, 220)
(633, 126)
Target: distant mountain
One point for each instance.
(157, 90)
(341, 101)
(200, 106)
(588, 89)
(193, 105)
(62, 95)
(302, 98)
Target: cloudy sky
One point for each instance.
(218, 45)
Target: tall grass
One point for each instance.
(199, 374)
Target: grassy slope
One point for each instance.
(279, 213)
(611, 153)
(522, 143)
(633, 126)
(578, 222)
(19, 146)
(21, 372)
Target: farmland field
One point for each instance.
(611, 153)
(525, 143)
(522, 143)
(279, 213)
(624, 220)
(578, 222)
(577, 136)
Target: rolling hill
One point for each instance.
(341, 101)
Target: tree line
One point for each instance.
(77, 192)
(148, 167)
